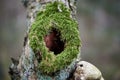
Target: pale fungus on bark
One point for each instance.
(87, 71)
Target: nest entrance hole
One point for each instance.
(54, 42)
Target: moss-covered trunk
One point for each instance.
(52, 42)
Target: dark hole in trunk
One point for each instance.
(53, 41)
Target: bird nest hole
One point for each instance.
(54, 42)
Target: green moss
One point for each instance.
(50, 18)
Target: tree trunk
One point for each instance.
(33, 65)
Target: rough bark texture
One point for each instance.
(27, 66)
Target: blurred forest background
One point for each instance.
(99, 22)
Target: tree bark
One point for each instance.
(27, 66)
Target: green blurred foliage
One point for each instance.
(100, 34)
